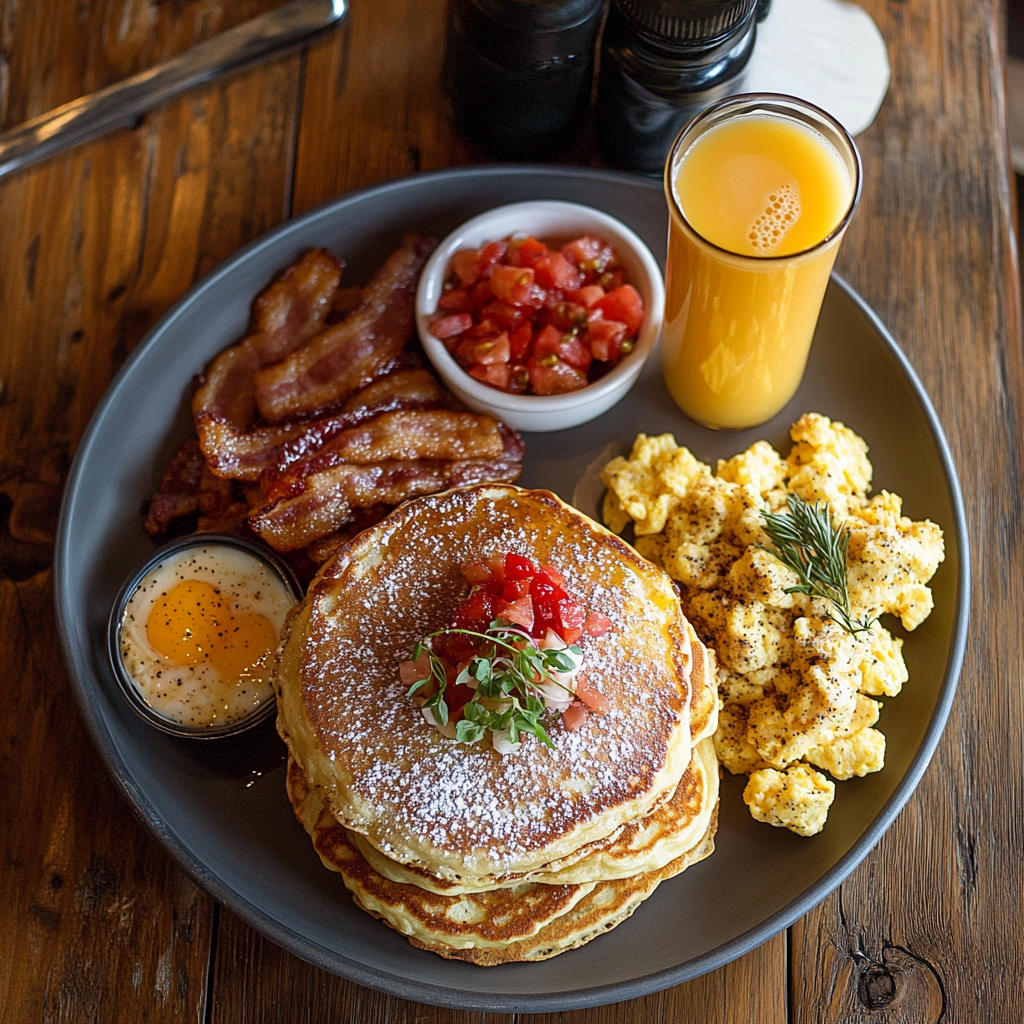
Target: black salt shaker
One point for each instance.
(662, 62)
(519, 73)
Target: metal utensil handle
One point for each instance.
(120, 104)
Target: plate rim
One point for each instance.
(339, 963)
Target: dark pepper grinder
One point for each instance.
(662, 62)
(519, 73)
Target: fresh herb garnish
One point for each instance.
(808, 542)
(509, 670)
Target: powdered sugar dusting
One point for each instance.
(403, 580)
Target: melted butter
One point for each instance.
(199, 631)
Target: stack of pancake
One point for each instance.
(469, 853)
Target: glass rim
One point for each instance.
(779, 104)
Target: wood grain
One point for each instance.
(95, 922)
(922, 931)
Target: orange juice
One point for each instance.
(759, 197)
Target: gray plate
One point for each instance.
(220, 810)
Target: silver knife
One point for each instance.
(120, 104)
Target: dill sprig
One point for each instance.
(507, 672)
(809, 542)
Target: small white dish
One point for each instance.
(546, 220)
(132, 692)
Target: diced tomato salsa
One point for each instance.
(527, 596)
(531, 318)
(519, 594)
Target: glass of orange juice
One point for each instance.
(760, 189)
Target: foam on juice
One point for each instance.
(781, 212)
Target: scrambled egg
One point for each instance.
(796, 689)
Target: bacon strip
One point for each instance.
(400, 389)
(405, 434)
(292, 310)
(330, 498)
(351, 354)
(248, 454)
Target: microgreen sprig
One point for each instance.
(508, 670)
(809, 542)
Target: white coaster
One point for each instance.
(829, 52)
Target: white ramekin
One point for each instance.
(547, 220)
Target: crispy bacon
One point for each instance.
(400, 389)
(331, 497)
(308, 481)
(188, 487)
(349, 355)
(246, 454)
(292, 310)
(178, 495)
(406, 434)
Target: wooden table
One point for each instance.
(95, 922)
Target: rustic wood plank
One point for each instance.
(748, 989)
(95, 921)
(921, 931)
(258, 982)
(374, 91)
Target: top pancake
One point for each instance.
(462, 811)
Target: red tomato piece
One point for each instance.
(497, 375)
(596, 624)
(520, 342)
(591, 696)
(457, 695)
(453, 647)
(484, 351)
(567, 315)
(490, 255)
(517, 613)
(531, 252)
(574, 717)
(612, 279)
(555, 271)
(572, 615)
(505, 316)
(554, 575)
(551, 344)
(496, 563)
(571, 636)
(625, 305)
(456, 300)
(605, 337)
(518, 568)
(466, 264)
(449, 326)
(513, 285)
(588, 295)
(545, 616)
(557, 379)
(477, 611)
(514, 589)
(588, 253)
(480, 295)
(484, 329)
(545, 588)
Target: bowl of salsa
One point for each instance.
(541, 313)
